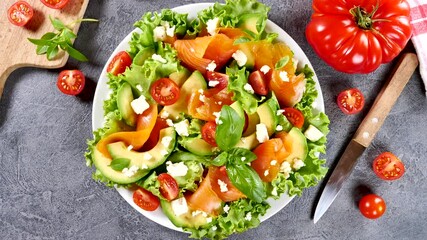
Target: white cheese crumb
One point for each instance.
(295, 62)
(170, 31)
(365, 135)
(176, 169)
(248, 216)
(279, 128)
(217, 116)
(374, 120)
(285, 167)
(274, 191)
(214, 228)
(280, 112)
(159, 33)
(202, 98)
(212, 25)
(164, 152)
(144, 166)
(240, 58)
(273, 162)
(226, 208)
(130, 147)
(266, 172)
(222, 186)
(169, 122)
(129, 172)
(166, 141)
(139, 105)
(158, 58)
(261, 132)
(139, 87)
(179, 206)
(243, 158)
(314, 105)
(248, 88)
(211, 66)
(147, 156)
(164, 114)
(298, 163)
(209, 219)
(284, 76)
(182, 128)
(213, 83)
(313, 134)
(265, 69)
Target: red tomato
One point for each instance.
(357, 36)
(165, 91)
(168, 186)
(289, 92)
(372, 206)
(258, 82)
(270, 155)
(71, 82)
(145, 200)
(221, 78)
(294, 116)
(388, 167)
(351, 101)
(219, 175)
(20, 13)
(208, 133)
(120, 62)
(204, 107)
(56, 4)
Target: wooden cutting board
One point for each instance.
(16, 51)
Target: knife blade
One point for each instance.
(367, 130)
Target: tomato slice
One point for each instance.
(119, 63)
(208, 133)
(165, 91)
(388, 167)
(168, 186)
(270, 155)
(56, 4)
(20, 13)
(71, 82)
(351, 101)
(228, 192)
(145, 199)
(217, 80)
(372, 206)
(294, 116)
(258, 82)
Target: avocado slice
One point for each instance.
(253, 120)
(198, 146)
(249, 22)
(143, 55)
(124, 98)
(184, 220)
(195, 82)
(180, 76)
(158, 155)
(299, 149)
(246, 48)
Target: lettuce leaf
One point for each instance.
(237, 80)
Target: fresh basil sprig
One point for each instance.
(282, 62)
(119, 164)
(229, 131)
(51, 42)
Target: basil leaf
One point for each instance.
(241, 155)
(40, 42)
(220, 160)
(41, 49)
(282, 62)
(52, 51)
(74, 53)
(119, 164)
(68, 34)
(229, 132)
(48, 35)
(241, 40)
(57, 24)
(247, 181)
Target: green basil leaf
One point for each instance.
(68, 34)
(241, 155)
(48, 35)
(241, 40)
(282, 62)
(40, 42)
(51, 52)
(247, 181)
(229, 132)
(41, 49)
(57, 24)
(119, 164)
(220, 160)
(74, 53)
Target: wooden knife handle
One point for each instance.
(386, 99)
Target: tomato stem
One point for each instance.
(363, 18)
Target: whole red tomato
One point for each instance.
(357, 36)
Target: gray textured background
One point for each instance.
(46, 191)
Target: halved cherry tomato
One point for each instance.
(120, 62)
(208, 133)
(20, 13)
(288, 91)
(258, 82)
(56, 4)
(145, 199)
(270, 155)
(372, 206)
(168, 186)
(294, 116)
(165, 91)
(219, 175)
(71, 82)
(351, 101)
(388, 167)
(221, 78)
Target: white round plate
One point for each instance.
(102, 93)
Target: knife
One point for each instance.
(367, 130)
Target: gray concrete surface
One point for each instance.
(46, 191)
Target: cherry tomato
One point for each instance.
(71, 82)
(357, 36)
(20, 13)
(165, 91)
(351, 101)
(168, 186)
(388, 167)
(294, 116)
(145, 200)
(56, 4)
(221, 78)
(208, 133)
(258, 83)
(372, 206)
(120, 62)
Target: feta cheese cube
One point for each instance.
(240, 58)
(284, 76)
(166, 141)
(217, 116)
(222, 186)
(182, 128)
(211, 66)
(139, 105)
(169, 122)
(273, 162)
(159, 33)
(213, 83)
(139, 87)
(226, 208)
(274, 191)
(214, 228)
(266, 172)
(313, 134)
(248, 88)
(248, 216)
(285, 167)
(280, 112)
(164, 152)
(147, 156)
(212, 25)
(279, 128)
(265, 69)
(298, 163)
(129, 172)
(261, 132)
(164, 114)
(130, 147)
(179, 206)
(158, 58)
(176, 169)
(144, 166)
(170, 31)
